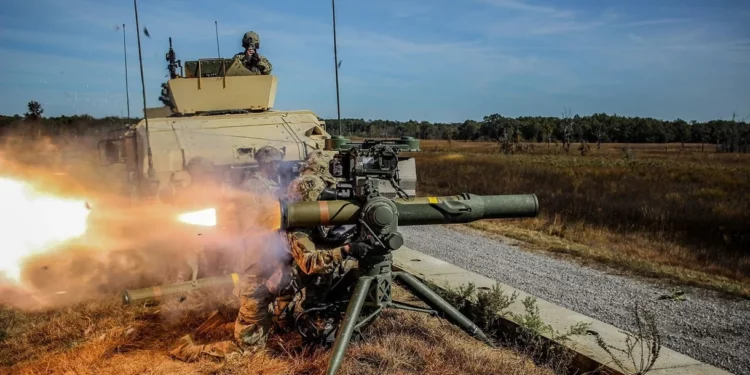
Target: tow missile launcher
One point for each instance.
(359, 295)
(381, 215)
(339, 312)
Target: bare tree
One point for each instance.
(599, 134)
(548, 128)
(567, 128)
(729, 138)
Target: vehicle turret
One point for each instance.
(217, 109)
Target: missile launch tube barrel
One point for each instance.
(156, 292)
(463, 208)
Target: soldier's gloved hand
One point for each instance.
(358, 249)
(254, 58)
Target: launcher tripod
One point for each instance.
(371, 294)
(358, 297)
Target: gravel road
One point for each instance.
(705, 327)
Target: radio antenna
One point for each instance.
(336, 65)
(125, 52)
(143, 89)
(218, 51)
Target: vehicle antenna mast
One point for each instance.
(218, 51)
(143, 88)
(336, 65)
(125, 53)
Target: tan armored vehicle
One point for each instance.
(219, 110)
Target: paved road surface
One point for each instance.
(705, 327)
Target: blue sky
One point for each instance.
(434, 60)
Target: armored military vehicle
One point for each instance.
(218, 110)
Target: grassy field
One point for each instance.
(105, 337)
(660, 210)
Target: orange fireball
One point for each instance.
(33, 222)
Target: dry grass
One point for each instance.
(682, 215)
(104, 337)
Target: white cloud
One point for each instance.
(546, 25)
(528, 7)
(654, 22)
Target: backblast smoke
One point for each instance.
(66, 237)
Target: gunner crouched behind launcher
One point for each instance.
(274, 267)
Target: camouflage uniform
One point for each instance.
(286, 268)
(257, 64)
(314, 267)
(286, 263)
(317, 163)
(262, 256)
(261, 66)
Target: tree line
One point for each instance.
(728, 135)
(33, 124)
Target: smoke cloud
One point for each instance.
(126, 244)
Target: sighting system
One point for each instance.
(361, 167)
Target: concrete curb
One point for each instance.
(588, 355)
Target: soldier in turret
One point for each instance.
(252, 60)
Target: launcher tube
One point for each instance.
(157, 292)
(311, 214)
(465, 208)
(462, 208)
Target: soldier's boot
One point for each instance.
(281, 317)
(216, 326)
(186, 350)
(222, 349)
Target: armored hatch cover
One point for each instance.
(212, 85)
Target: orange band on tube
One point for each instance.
(276, 220)
(324, 216)
(157, 291)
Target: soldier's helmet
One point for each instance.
(306, 188)
(268, 154)
(251, 38)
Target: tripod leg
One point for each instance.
(439, 304)
(347, 326)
